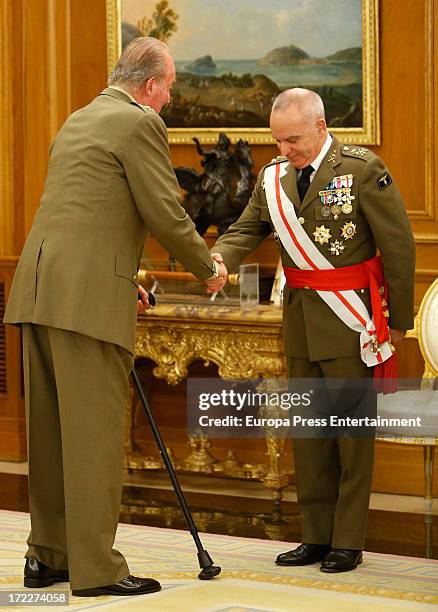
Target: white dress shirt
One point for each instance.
(318, 160)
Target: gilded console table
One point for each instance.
(243, 343)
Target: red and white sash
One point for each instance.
(347, 305)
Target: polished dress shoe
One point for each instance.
(131, 585)
(38, 575)
(341, 560)
(305, 554)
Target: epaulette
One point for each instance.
(277, 160)
(356, 151)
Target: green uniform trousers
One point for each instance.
(76, 389)
(333, 475)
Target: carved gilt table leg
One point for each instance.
(243, 344)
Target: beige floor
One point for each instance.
(379, 501)
(249, 581)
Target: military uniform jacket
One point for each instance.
(109, 182)
(377, 220)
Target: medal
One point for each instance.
(322, 234)
(336, 210)
(337, 247)
(337, 197)
(348, 230)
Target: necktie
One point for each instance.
(304, 181)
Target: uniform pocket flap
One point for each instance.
(125, 269)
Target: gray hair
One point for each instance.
(143, 58)
(308, 102)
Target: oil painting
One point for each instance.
(233, 59)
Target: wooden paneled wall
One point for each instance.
(53, 61)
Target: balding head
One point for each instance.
(307, 103)
(298, 125)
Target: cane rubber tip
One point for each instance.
(209, 572)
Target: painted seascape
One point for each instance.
(233, 60)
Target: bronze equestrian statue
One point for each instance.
(209, 199)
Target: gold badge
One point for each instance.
(332, 157)
(336, 210)
(322, 234)
(348, 230)
(359, 151)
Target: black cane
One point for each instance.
(208, 570)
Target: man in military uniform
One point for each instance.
(75, 293)
(332, 206)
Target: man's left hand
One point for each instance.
(143, 304)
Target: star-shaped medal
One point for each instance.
(336, 247)
(348, 230)
(322, 234)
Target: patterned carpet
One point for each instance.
(249, 580)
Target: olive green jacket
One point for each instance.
(311, 329)
(109, 183)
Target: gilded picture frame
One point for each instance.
(368, 133)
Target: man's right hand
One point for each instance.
(396, 335)
(216, 283)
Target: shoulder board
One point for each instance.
(277, 160)
(356, 151)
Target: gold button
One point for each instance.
(306, 287)
(134, 277)
(362, 290)
(345, 148)
(301, 220)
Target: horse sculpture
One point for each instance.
(208, 200)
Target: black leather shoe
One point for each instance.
(341, 560)
(305, 554)
(38, 575)
(131, 585)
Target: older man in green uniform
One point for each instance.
(75, 293)
(331, 206)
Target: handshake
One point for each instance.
(216, 283)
